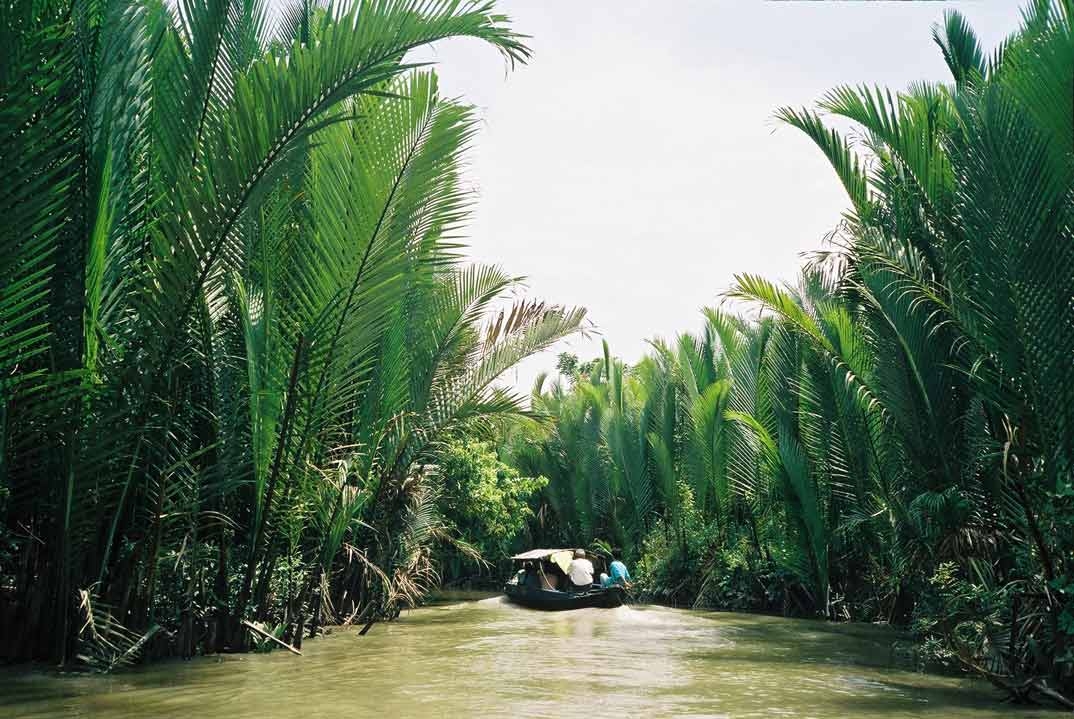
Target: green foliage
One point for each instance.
(566, 364)
(485, 500)
(234, 320)
(671, 570)
(960, 621)
(892, 439)
(9, 546)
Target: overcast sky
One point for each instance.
(633, 167)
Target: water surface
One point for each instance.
(492, 659)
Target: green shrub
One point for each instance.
(484, 500)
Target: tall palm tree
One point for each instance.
(956, 281)
(232, 315)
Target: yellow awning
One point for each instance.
(562, 559)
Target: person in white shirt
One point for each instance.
(580, 570)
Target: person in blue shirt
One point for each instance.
(619, 575)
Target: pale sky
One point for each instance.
(633, 166)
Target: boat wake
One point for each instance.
(497, 603)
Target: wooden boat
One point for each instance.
(530, 594)
(553, 599)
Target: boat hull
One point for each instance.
(554, 600)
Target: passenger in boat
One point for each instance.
(530, 579)
(620, 575)
(580, 570)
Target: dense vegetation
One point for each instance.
(247, 382)
(891, 438)
(487, 503)
(234, 323)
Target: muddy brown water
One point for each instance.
(491, 659)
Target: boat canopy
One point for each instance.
(559, 557)
(539, 553)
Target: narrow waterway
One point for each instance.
(492, 659)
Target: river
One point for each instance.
(491, 659)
